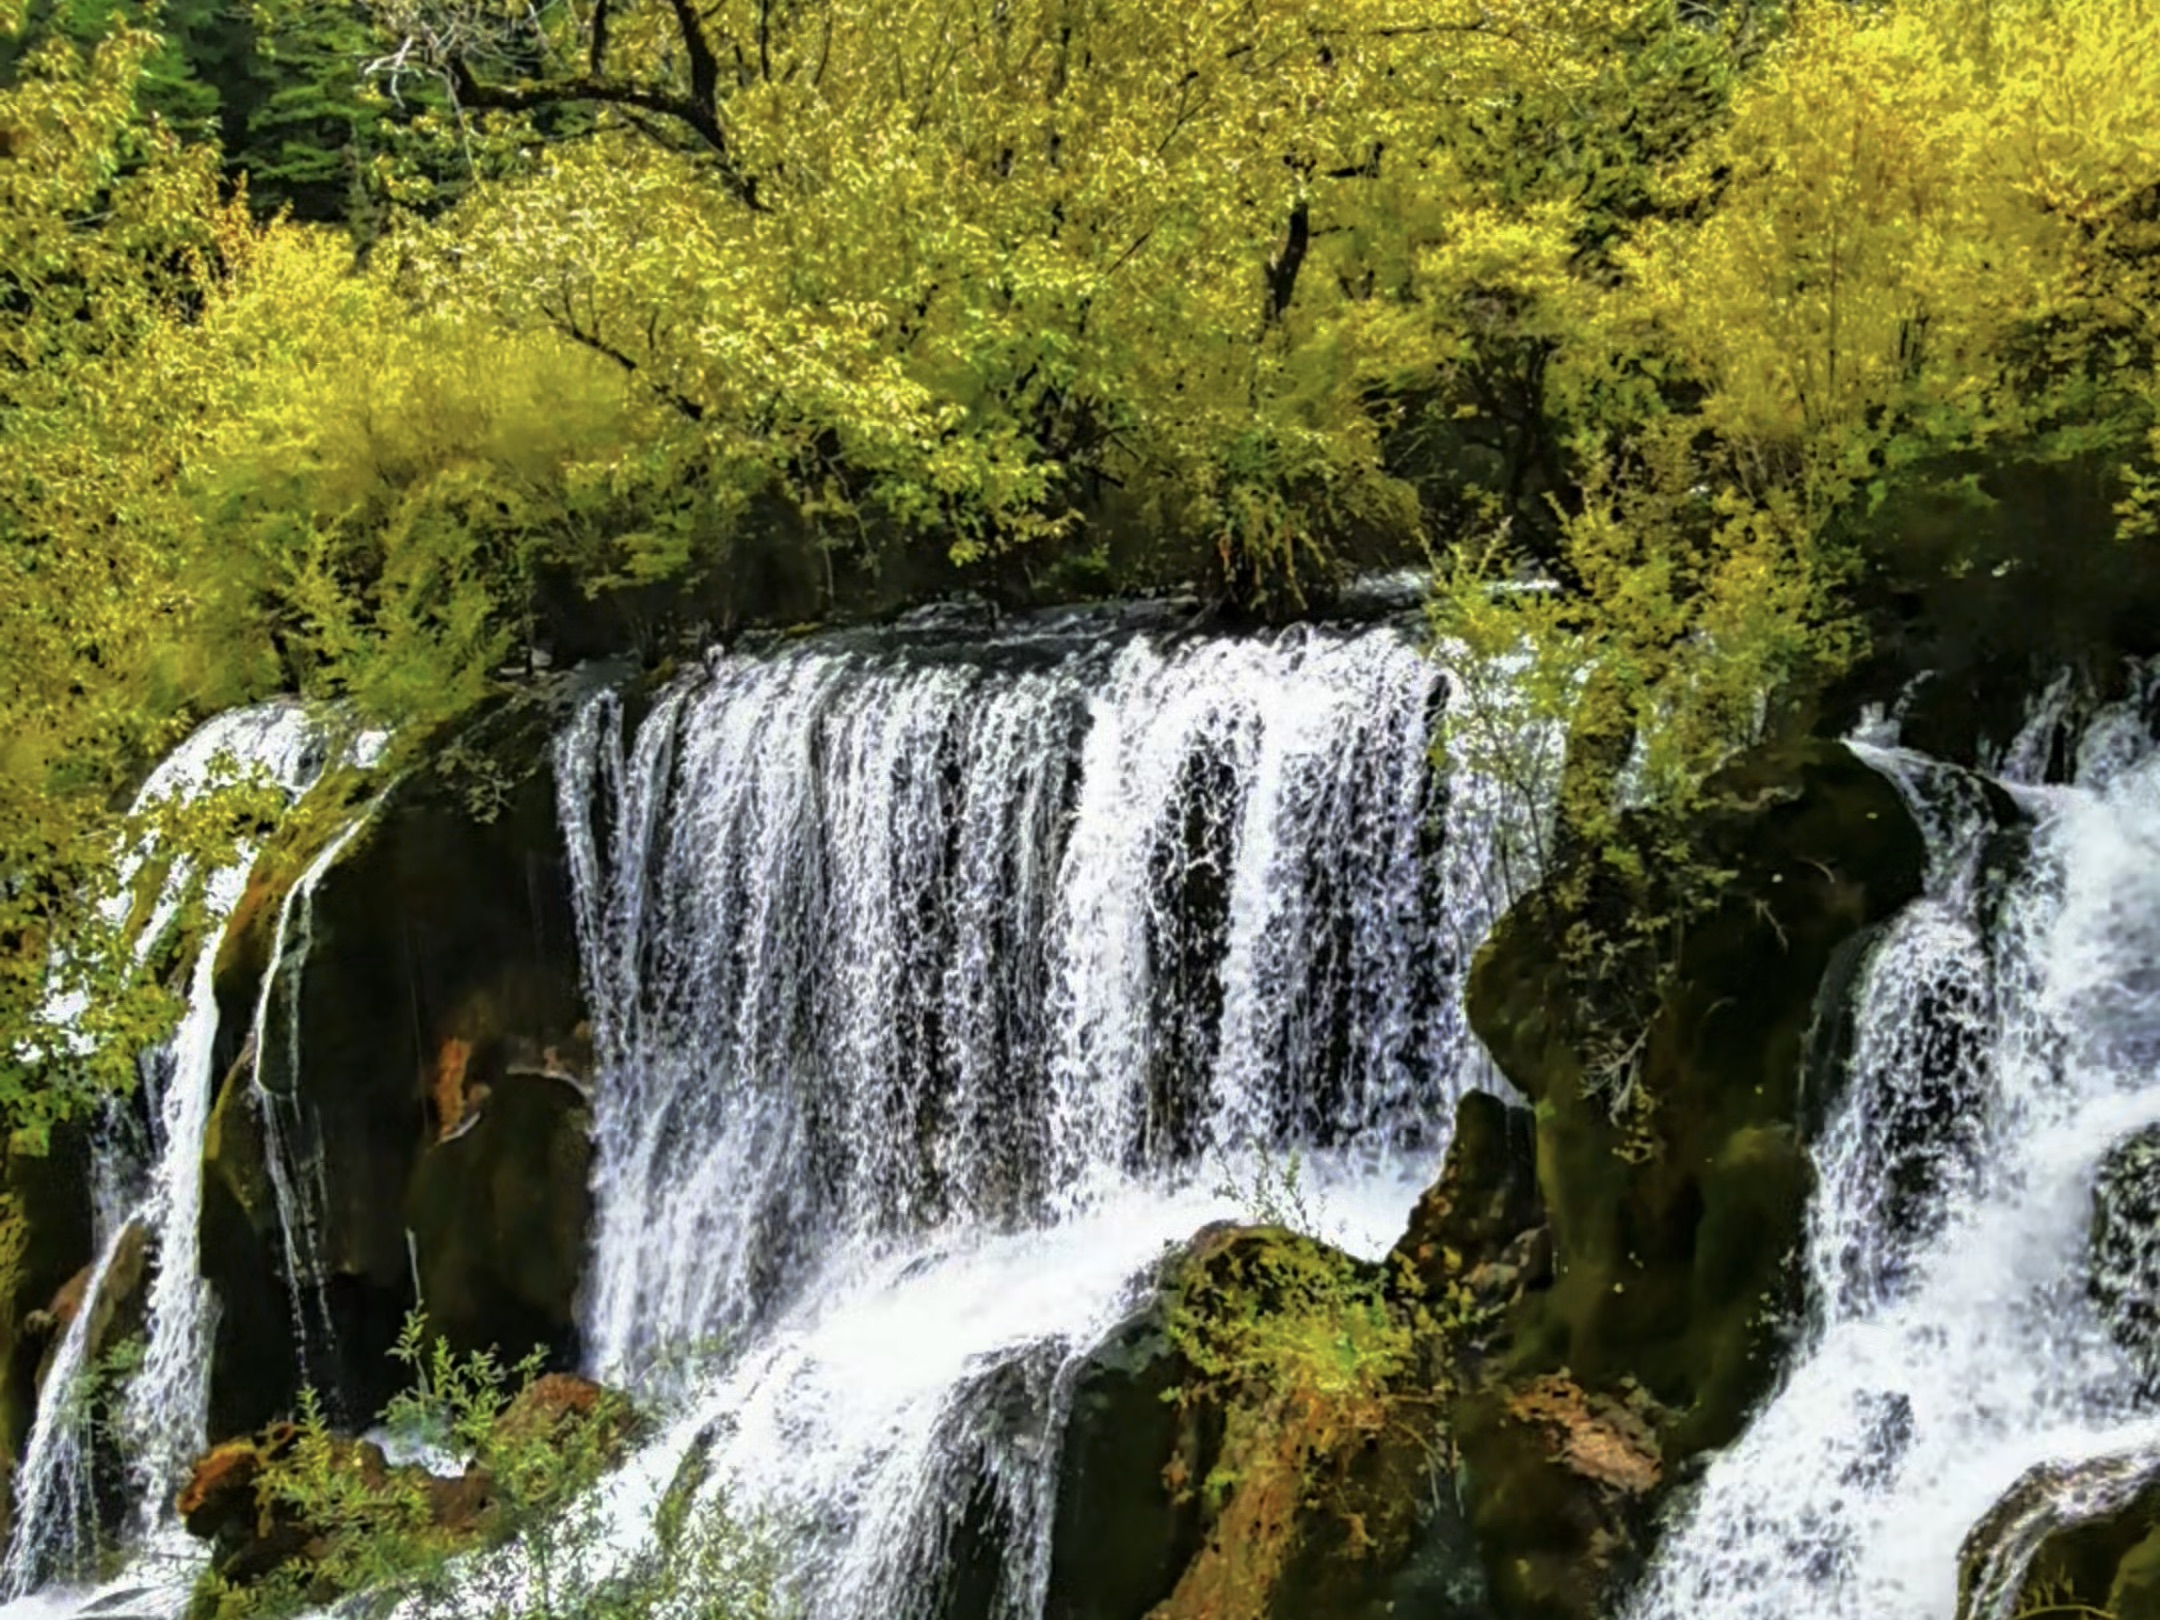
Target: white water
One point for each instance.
(2007, 1036)
(929, 990)
(912, 1380)
(165, 1405)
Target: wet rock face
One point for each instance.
(1671, 1228)
(438, 1091)
(499, 1212)
(2068, 1538)
(1124, 1530)
(2124, 1253)
(117, 1309)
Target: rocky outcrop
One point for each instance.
(499, 1213)
(1271, 1437)
(2068, 1538)
(2123, 1273)
(1670, 1160)
(254, 1500)
(439, 1086)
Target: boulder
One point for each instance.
(1263, 1439)
(2123, 1275)
(499, 1213)
(1477, 1239)
(117, 1309)
(2072, 1537)
(233, 1497)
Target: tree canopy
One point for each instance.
(373, 351)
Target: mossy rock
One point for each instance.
(1321, 1383)
(448, 919)
(2068, 1537)
(1674, 1228)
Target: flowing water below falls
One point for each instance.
(934, 989)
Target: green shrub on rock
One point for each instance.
(300, 1516)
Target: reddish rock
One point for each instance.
(461, 1506)
(221, 1489)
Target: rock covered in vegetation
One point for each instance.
(2077, 1537)
(1477, 1239)
(1669, 1159)
(284, 1502)
(441, 1067)
(1270, 1435)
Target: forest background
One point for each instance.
(385, 350)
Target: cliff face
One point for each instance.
(1674, 1220)
(435, 1124)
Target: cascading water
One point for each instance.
(2006, 1031)
(929, 987)
(292, 1143)
(164, 1412)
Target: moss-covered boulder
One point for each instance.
(2077, 1537)
(1557, 1481)
(316, 1510)
(1670, 1155)
(1270, 1437)
(440, 967)
(1477, 1238)
(116, 1298)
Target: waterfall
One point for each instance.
(933, 987)
(2006, 1031)
(292, 1145)
(165, 1405)
(56, 1510)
